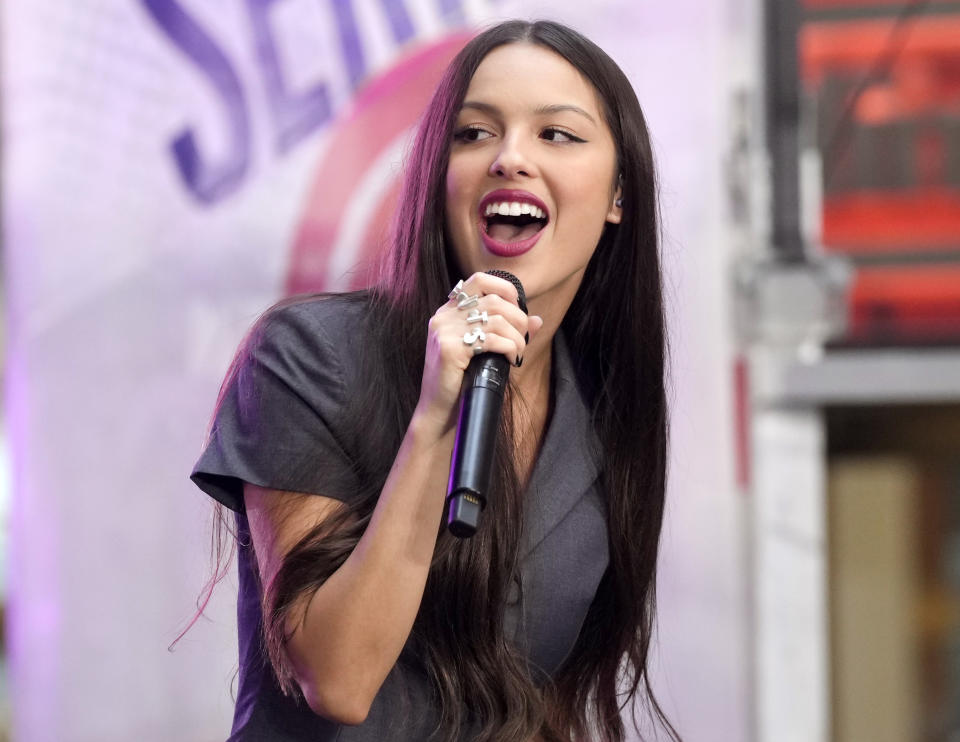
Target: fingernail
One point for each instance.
(526, 337)
(519, 362)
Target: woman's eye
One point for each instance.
(552, 134)
(471, 134)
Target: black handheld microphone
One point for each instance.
(481, 401)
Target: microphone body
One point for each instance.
(481, 401)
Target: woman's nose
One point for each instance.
(513, 160)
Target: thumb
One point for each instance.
(534, 325)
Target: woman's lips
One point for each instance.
(507, 249)
(517, 199)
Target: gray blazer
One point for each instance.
(277, 426)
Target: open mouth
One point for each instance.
(510, 222)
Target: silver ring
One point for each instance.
(476, 316)
(472, 336)
(456, 290)
(478, 349)
(464, 301)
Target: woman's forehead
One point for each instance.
(532, 76)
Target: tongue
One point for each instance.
(508, 233)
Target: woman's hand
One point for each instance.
(448, 355)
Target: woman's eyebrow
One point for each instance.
(492, 110)
(561, 107)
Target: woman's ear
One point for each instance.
(615, 214)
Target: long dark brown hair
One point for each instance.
(615, 331)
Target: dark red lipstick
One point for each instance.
(522, 223)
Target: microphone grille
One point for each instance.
(522, 297)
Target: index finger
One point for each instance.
(484, 283)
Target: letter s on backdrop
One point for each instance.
(208, 181)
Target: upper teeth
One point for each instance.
(514, 208)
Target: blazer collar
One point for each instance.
(569, 460)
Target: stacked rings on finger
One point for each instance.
(475, 338)
(472, 336)
(458, 289)
(464, 300)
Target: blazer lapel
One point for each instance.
(569, 457)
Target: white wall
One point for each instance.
(690, 58)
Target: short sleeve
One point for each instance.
(279, 418)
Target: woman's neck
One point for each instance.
(532, 401)
(532, 379)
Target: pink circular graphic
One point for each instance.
(387, 107)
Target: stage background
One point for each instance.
(170, 169)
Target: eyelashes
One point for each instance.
(471, 134)
(566, 135)
(554, 134)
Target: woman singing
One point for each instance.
(360, 616)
